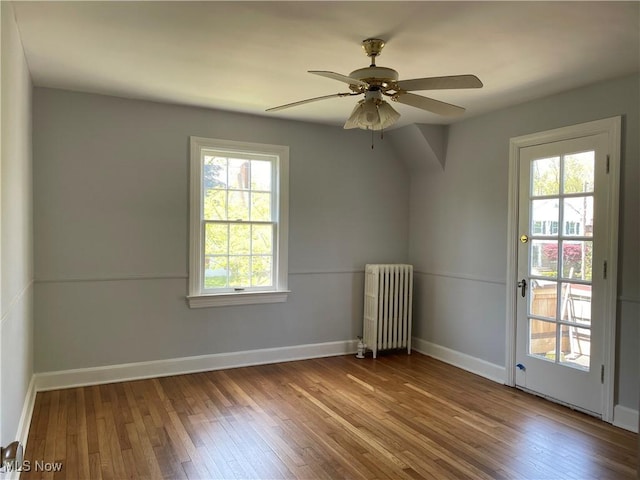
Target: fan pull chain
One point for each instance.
(372, 136)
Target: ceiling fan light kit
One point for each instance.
(373, 112)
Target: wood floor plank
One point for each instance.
(396, 417)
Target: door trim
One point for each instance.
(611, 126)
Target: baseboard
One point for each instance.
(27, 412)
(626, 418)
(466, 362)
(22, 433)
(176, 366)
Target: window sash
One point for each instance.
(250, 255)
(199, 296)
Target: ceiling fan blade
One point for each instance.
(309, 100)
(339, 77)
(440, 83)
(429, 104)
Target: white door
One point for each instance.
(562, 306)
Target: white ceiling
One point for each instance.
(248, 56)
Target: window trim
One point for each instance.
(196, 298)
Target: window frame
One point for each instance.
(198, 297)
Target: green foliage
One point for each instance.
(238, 253)
(578, 174)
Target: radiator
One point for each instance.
(388, 296)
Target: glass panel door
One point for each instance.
(563, 242)
(560, 258)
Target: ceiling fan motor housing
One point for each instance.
(382, 77)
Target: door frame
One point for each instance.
(611, 126)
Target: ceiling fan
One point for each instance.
(373, 112)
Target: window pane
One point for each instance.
(545, 176)
(579, 211)
(262, 239)
(238, 206)
(576, 303)
(261, 271)
(578, 174)
(575, 347)
(215, 205)
(239, 174)
(542, 339)
(216, 239)
(215, 272)
(544, 217)
(260, 175)
(544, 299)
(576, 259)
(544, 258)
(239, 271)
(214, 172)
(239, 239)
(260, 207)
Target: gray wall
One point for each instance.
(16, 240)
(111, 229)
(458, 230)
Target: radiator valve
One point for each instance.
(361, 348)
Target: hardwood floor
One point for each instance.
(397, 417)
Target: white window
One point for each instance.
(239, 217)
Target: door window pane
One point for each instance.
(578, 174)
(545, 176)
(545, 216)
(542, 339)
(544, 258)
(579, 211)
(576, 303)
(544, 299)
(577, 259)
(575, 347)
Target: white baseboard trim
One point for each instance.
(22, 433)
(27, 412)
(176, 366)
(625, 417)
(466, 362)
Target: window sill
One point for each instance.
(229, 299)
